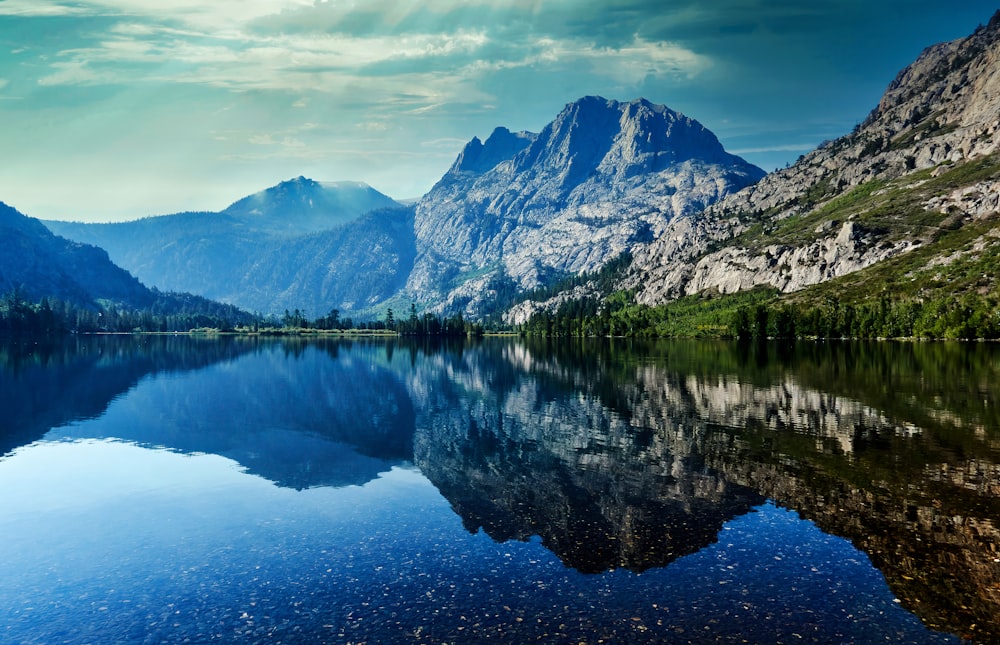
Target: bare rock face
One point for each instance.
(786, 268)
(942, 109)
(599, 180)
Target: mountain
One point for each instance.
(600, 179)
(92, 292)
(41, 265)
(352, 268)
(906, 204)
(302, 205)
(519, 209)
(299, 244)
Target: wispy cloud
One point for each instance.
(289, 63)
(40, 8)
(221, 44)
(187, 12)
(75, 72)
(444, 143)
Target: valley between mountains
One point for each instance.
(615, 218)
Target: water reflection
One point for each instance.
(631, 457)
(601, 492)
(49, 384)
(616, 455)
(315, 420)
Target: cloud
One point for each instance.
(445, 49)
(218, 13)
(261, 140)
(445, 143)
(398, 87)
(75, 72)
(289, 63)
(39, 8)
(372, 126)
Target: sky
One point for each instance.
(119, 109)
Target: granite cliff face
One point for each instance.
(600, 179)
(940, 113)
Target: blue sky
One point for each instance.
(117, 109)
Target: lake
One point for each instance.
(181, 489)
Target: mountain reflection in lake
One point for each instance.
(171, 488)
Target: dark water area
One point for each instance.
(172, 489)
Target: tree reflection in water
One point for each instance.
(629, 455)
(617, 454)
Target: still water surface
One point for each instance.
(171, 489)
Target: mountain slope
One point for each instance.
(301, 244)
(917, 169)
(41, 265)
(353, 268)
(600, 179)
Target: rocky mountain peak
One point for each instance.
(478, 157)
(602, 177)
(616, 140)
(959, 81)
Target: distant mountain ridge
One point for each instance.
(301, 244)
(303, 205)
(518, 209)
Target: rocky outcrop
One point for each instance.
(599, 180)
(942, 109)
(976, 201)
(522, 312)
(786, 268)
